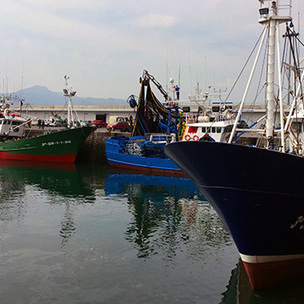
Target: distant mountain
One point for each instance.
(38, 95)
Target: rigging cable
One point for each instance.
(237, 79)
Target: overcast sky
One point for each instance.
(104, 45)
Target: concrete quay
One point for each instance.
(94, 148)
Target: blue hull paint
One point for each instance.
(258, 193)
(177, 187)
(117, 157)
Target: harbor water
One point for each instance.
(87, 234)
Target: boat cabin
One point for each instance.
(163, 138)
(213, 131)
(12, 126)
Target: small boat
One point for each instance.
(258, 190)
(57, 146)
(137, 153)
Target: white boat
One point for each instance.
(12, 124)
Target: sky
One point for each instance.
(104, 46)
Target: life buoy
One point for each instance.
(195, 138)
(187, 137)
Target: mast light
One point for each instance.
(264, 12)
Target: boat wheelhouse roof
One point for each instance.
(220, 123)
(16, 118)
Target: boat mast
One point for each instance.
(273, 23)
(270, 102)
(69, 93)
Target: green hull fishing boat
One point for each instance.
(59, 146)
(56, 146)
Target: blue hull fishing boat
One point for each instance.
(155, 126)
(132, 153)
(258, 190)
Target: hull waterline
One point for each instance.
(254, 193)
(146, 169)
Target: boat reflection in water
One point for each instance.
(60, 183)
(102, 231)
(168, 214)
(124, 181)
(63, 179)
(240, 291)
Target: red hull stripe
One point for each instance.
(262, 275)
(61, 158)
(149, 170)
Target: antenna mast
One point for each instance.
(69, 94)
(272, 23)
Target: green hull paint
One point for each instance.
(57, 146)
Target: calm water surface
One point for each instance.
(86, 234)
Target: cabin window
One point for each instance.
(204, 129)
(192, 130)
(296, 126)
(15, 123)
(213, 129)
(228, 129)
(186, 109)
(218, 130)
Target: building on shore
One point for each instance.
(109, 113)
